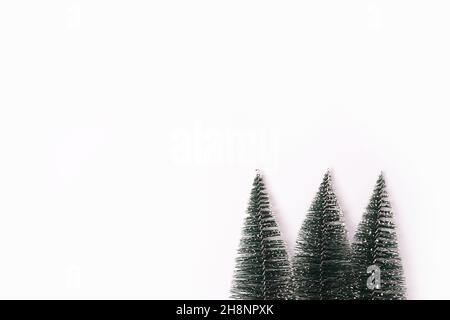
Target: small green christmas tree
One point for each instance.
(262, 267)
(375, 248)
(322, 261)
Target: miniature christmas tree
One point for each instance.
(322, 261)
(375, 250)
(262, 268)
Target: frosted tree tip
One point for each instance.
(381, 176)
(258, 172)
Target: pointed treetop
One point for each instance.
(381, 182)
(258, 177)
(327, 177)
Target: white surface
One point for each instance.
(130, 131)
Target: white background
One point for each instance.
(130, 132)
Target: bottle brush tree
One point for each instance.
(376, 261)
(263, 269)
(322, 260)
